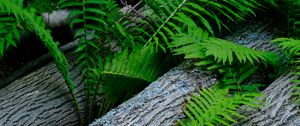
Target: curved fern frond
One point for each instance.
(35, 24)
(131, 70)
(289, 45)
(141, 64)
(215, 106)
(169, 16)
(196, 44)
(97, 19)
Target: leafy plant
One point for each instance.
(97, 25)
(234, 62)
(9, 29)
(166, 18)
(291, 46)
(292, 49)
(215, 106)
(197, 44)
(111, 76)
(130, 71)
(35, 24)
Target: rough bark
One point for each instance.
(160, 104)
(279, 109)
(40, 98)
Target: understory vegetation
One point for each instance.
(119, 53)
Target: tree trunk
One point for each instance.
(40, 98)
(280, 108)
(160, 104)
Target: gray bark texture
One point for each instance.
(161, 103)
(279, 109)
(40, 98)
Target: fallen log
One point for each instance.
(280, 108)
(40, 98)
(160, 104)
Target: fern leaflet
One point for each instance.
(215, 106)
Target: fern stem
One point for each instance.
(88, 108)
(166, 21)
(60, 60)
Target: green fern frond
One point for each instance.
(215, 106)
(96, 18)
(10, 28)
(98, 22)
(289, 45)
(170, 16)
(292, 48)
(138, 66)
(141, 64)
(235, 78)
(35, 24)
(196, 44)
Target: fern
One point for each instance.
(36, 25)
(235, 78)
(96, 23)
(234, 62)
(215, 106)
(196, 44)
(9, 29)
(292, 48)
(129, 71)
(289, 45)
(170, 16)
